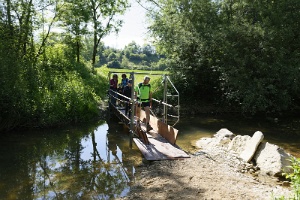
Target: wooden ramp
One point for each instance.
(157, 144)
(159, 149)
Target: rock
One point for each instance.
(224, 142)
(268, 158)
(272, 160)
(251, 146)
(237, 145)
(224, 133)
(221, 139)
(206, 142)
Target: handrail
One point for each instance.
(156, 100)
(173, 85)
(166, 95)
(132, 101)
(175, 116)
(163, 103)
(119, 94)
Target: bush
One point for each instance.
(71, 100)
(295, 177)
(114, 64)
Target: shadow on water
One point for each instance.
(92, 162)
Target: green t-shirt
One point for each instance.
(143, 92)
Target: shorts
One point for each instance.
(145, 104)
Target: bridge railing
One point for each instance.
(167, 83)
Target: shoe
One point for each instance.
(149, 127)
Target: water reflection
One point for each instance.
(95, 162)
(78, 163)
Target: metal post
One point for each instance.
(109, 97)
(165, 98)
(132, 111)
(178, 100)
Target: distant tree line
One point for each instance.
(133, 56)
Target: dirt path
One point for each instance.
(209, 175)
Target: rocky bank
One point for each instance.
(214, 172)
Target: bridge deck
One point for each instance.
(161, 139)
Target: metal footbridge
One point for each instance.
(160, 142)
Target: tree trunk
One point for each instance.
(78, 51)
(94, 48)
(25, 27)
(9, 17)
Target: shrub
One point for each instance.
(294, 177)
(114, 64)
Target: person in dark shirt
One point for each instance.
(124, 81)
(113, 86)
(127, 93)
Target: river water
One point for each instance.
(95, 161)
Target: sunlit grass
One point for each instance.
(156, 77)
(139, 76)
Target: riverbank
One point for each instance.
(206, 175)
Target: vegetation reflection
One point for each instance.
(85, 163)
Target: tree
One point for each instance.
(75, 17)
(259, 70)
(112, 56)
(40, 83)
(244, 53)
(148, 50)
(132, 48)
(104, 14)
(186, 32)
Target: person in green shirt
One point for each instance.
(143, 93)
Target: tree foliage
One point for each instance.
(244, 53)
(43, 82)
(133, 56)
(103, 14)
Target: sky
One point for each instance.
(134, 28)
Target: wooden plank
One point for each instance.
(159, 149)
(168, 149)
(141, 133)
(166, 131)
(149, 152)
(138, 129)
(152, 145)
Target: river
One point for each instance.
(95, 162)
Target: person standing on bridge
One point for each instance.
(127, 93)
(143, 93)
(113, 87)
(121, 88)
(124, 81)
